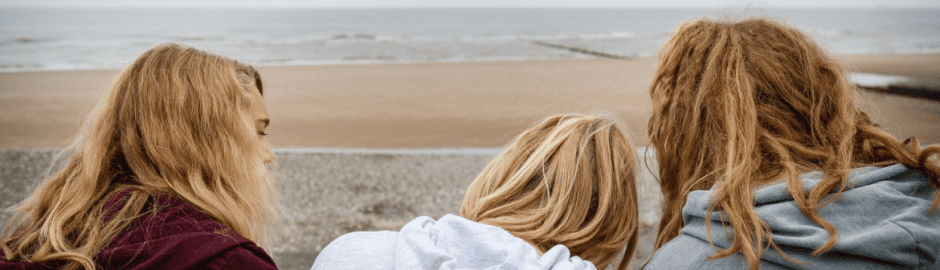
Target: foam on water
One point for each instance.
(78, 39)
(876, 80)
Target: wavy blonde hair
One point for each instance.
(173, 123)
(738, 104)
(569, 180)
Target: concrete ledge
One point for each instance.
(330, 192)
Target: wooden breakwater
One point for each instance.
(580, 50)
(915, 91)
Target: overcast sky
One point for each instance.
(473, 3)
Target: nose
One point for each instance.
(269, 156)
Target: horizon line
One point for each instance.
(466, 7)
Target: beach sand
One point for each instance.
(431, 105)
(442, 105)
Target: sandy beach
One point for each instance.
(383, 113)
(431, 105)
(472, 106)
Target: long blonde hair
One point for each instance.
(173, 123)
(569, 180)
(737, 104)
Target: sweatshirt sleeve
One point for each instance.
(359, 250)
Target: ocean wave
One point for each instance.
(59, 40)
(22, 41)
(876, 80)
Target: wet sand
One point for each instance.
(431, 105)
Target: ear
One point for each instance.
(247, 75)
(245, 79)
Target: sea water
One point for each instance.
(80, 39)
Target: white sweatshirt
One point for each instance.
(449, 243)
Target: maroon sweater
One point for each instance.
(177, 236)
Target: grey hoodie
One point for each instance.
(449, 243)
(882, 219)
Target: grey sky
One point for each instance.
(474, 3)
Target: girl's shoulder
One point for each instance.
(174, 234)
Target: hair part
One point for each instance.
(173, 123)
(739, 104)
(569, 180)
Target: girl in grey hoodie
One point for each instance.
(561, 196)
(765, 161)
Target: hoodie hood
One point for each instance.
(882, 218)
(457, 243)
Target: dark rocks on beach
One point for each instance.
(923, 92)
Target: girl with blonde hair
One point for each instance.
(766, 161)
(169, 173)
(560, 196)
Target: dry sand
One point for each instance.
(431, 105)
(920, 66)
